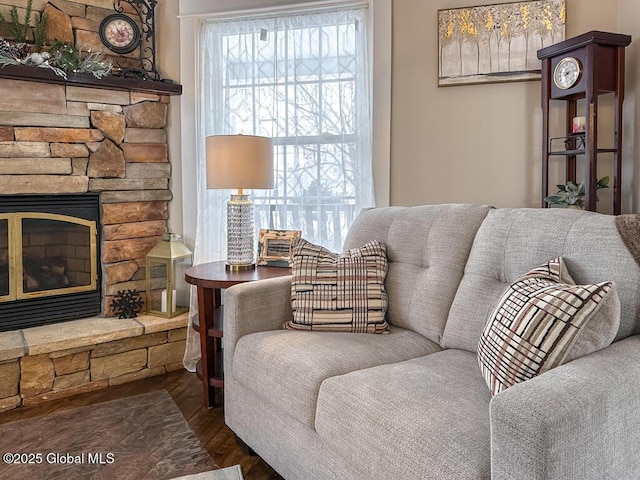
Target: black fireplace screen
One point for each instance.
(49, 260)
(4, 257)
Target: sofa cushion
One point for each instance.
(287, 367)
(513, 241)
(427, 249)
(338, 292)
(423, 418)
(542, 321)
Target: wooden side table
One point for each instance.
(210, 279)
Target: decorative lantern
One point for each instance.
(164, 261)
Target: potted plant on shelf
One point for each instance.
(571, 194)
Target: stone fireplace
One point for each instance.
(66, 139)
(67, 142)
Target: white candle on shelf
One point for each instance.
(163, 301)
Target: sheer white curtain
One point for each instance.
(303, 80)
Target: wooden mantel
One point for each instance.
(110, 82)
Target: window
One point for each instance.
(303, 80)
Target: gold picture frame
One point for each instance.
(274, 247)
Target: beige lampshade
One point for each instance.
(239, 161)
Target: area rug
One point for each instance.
(144, 437)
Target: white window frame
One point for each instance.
(193, 12)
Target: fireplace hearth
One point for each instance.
(49, 259)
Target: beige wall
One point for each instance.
(630, 24)
(475, 143)
(168, 58)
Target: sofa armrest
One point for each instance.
(578, 421)
(254, 307)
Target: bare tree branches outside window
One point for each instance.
(303, 80)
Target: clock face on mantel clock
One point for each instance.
(567, 72)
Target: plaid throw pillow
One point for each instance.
(542, 321)
(338, 292)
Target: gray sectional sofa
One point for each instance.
(413, 404)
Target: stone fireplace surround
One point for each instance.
(81, 136)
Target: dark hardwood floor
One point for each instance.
(186, 390)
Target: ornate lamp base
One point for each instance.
(240, 268)
(240, 232)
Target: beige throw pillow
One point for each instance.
(542, 321)
(338, 292)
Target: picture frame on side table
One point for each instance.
(274, 247)
(497, 43)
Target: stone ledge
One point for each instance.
(78, 333)
(12, 346)
(81, 333)
(157, 324)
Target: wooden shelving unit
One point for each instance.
(600, 57)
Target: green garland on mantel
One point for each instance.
(61, 58)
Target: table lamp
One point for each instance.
(239, 162)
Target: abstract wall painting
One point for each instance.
(497, 43)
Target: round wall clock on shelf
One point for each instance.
(120, 33)
(132, 27)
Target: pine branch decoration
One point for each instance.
(40, 30)
(18, 30)
(63, 58)
(68, 58)
(94, 64)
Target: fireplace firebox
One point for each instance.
(49, 259)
